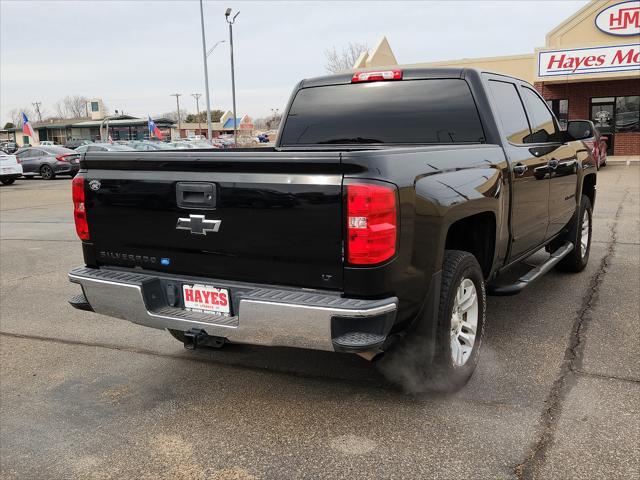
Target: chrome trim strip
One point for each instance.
(224, 177)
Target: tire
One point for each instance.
(582, 224)
(8, 181)
(46, 172)
(456, 351)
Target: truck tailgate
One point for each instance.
(265, 217)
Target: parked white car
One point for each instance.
(10, 169)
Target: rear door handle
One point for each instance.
(520, 169)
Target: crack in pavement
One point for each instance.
(571, 364)
(606, 377)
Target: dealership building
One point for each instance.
(589, 68)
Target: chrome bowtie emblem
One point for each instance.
(198, 225)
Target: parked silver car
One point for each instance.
(103, 147)
(48, 161)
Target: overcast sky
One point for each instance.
(133, 54)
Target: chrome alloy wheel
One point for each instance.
(464, 322)
(586, 231)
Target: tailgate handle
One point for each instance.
(193, 195)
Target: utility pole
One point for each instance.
(197, 97)
(178, 95)
(36, 105)
(233, 78)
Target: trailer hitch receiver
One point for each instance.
(194, 338)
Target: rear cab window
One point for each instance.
(433, 111)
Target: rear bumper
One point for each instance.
(11, 171)
(65, 167)
(261, 315)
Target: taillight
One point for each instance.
(377, 76)
(79, 212)
(62, 158)
(372, 219)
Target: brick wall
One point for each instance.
(580, 95)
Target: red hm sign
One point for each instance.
(620, 19)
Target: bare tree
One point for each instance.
(345, 59)
(72, 106)
(174, 115)
(16, 115)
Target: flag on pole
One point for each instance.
(153, 129)
(27, 129)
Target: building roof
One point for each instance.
(228, 125)
(124, 122)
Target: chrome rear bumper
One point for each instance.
(262, 315)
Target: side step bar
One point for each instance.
(531, 275)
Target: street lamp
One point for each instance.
(214, 47)
(178, 95)
(197, 97)
(205, 54)
(227, 14)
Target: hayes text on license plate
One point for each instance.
(206, 299)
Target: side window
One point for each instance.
(543, 128)
(511, 111)
(93, 148)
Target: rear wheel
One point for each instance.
(580, 236)
(458, 336)
(46, 172)
(8, 181)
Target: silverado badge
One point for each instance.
(198, 224)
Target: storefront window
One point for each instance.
(560, 108)
(628, 114)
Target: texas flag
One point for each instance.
(27, 129)
(153, 129)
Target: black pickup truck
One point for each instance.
(392, 203)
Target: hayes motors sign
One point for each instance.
(580, 61)
(620, 19)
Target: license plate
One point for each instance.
(6, 170)
(206, 299)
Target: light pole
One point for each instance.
(227, 14)
(275, 112)
(197, 97)
(206, 73)
(178, 95)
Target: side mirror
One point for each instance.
(580, 129)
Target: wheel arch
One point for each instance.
(589, 187)
(475, 234)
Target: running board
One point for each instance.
(531, 275)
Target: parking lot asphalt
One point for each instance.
(555, 394)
